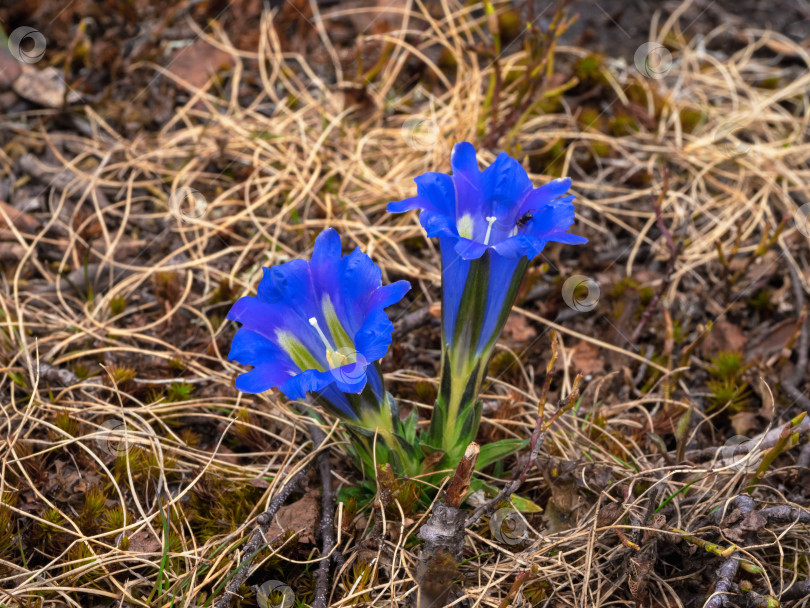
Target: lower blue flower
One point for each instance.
(315, 326)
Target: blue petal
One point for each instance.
(290, 315)
(469, 250)
(325, 260)
(359, 279)
(415, 202)
(388, 295)
(554, 217)
(261, 378)
(501, 272)
(272, 365)
(291, 278)
(310, 380)
(455, 270)
(373, 340)
(467, 181)
(521, 245)
(566, 238)
(542, 196)
(506, 181)
(434, 193)
(438, 224)
(250, 348)
(338, 400)
(351, 378)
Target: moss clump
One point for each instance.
(118, 305)
(67, 424)
(691, 119)
(727, 386)
(219, 506)
(589, 69)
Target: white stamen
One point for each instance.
(314, 322)
(491, 220)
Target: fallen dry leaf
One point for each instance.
(300, 517)
(144, 542)
(724, 336)
(44, 87)
(19, 219)
(772, 340)
(585, 358)
(744, 422)
(517, 330)
(10, 70)
(196, 63)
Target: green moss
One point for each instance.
(727, 365)
(771, 83)
(95, 505)
(726, 384)
(621, 125)
(589, 69)
(761, 300)
(619, 289)
(66, 423)
(179, 391)
(225, 292)
(691, 119)
(46, 533)
(122, 375)
(117, 305)
(219, 506)
(600, 149)
(115, 519)
(590, 117)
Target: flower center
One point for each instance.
(334, 357)
(465, 226)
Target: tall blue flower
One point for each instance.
(490, 224)
(320, 327)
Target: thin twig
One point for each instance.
(258, 540)
(327, 525)
(540, 428)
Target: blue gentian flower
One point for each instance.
(320, 327)
(315, 325)
(490, 224)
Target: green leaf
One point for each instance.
(524, 505)
(476, 483)
(496, 450)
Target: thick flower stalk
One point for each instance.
(490, 224)
(320, 327)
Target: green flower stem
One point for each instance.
(379, 418)
(464, 365)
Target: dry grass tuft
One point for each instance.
(132, 469)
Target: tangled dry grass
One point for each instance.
(132, 471)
